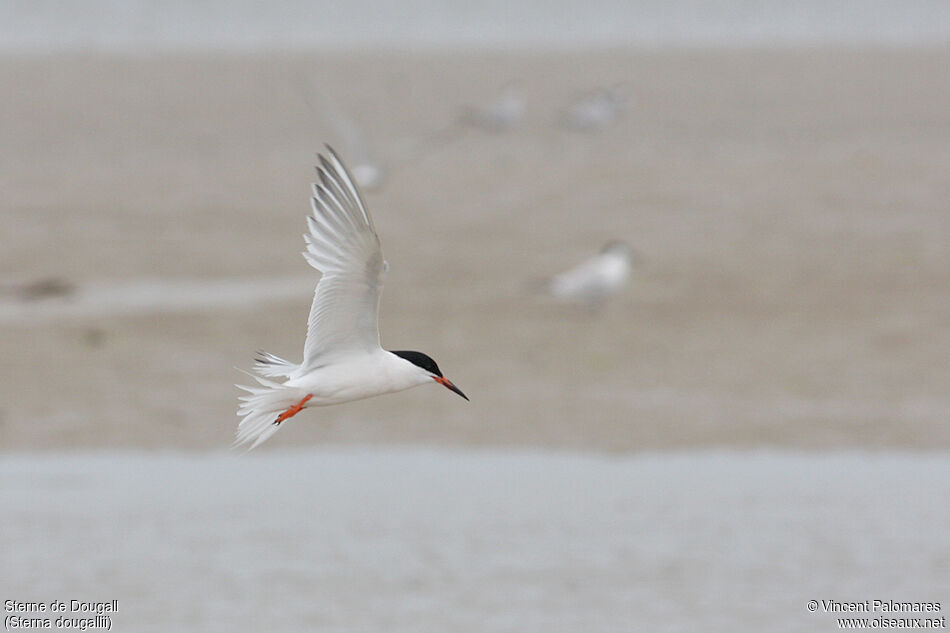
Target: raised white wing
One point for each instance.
(343, 245)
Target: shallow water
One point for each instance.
(144, 25)
(430, 540)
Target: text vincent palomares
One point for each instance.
(879, 606)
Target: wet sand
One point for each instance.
(790, 208)
(358, 539)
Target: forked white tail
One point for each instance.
(262, 406)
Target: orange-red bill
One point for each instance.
(445, 382)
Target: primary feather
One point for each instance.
(342, 244)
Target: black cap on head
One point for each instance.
(420, 360)
(426, 363)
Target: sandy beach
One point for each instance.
(790, 207)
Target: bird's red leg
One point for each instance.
(294, 410)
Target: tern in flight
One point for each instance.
(342, 357)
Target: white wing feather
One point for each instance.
(342, 244)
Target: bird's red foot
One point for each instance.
(294, 410)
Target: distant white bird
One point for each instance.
(594, 279)
(502, 115)
(342, 357)
(595, 110)
(367, 172)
